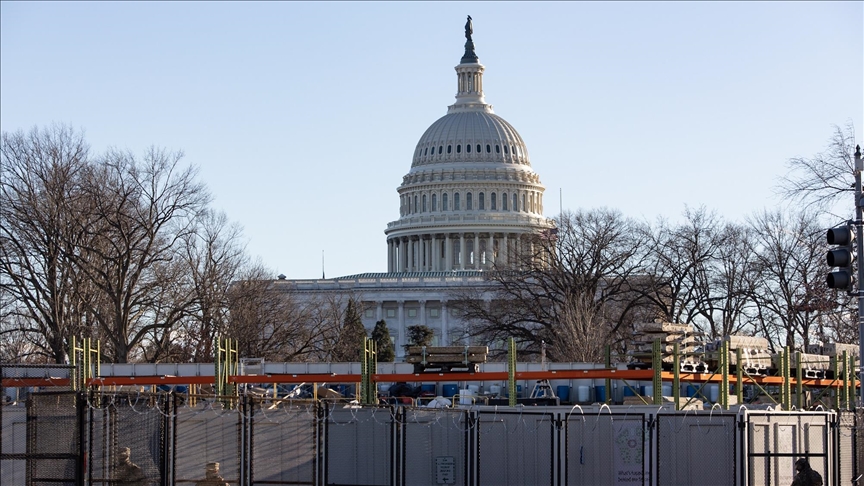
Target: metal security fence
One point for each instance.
(127, 434)
(284, 442)
(774, 440)
(358, 445)
(434, 445)
(681, 444)
(55, 439)
(170, 439)
(606, 448)
(844, 447)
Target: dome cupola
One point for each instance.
(471, 194)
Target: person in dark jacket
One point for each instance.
(805, 475)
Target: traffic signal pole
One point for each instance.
(859, 233)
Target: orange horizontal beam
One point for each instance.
(149, 380)
(25, 382)
(295, 378)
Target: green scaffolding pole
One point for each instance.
(724, 375)
(799, 381)
(608, 380)
(657, 364)
(227, 364)
(368, 367)
(739, 378)
(676, 380)
(87, 361)
(511, 371)
(785, 388)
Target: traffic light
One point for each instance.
(841, 257)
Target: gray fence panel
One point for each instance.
(775, 440)
(696, 448)
(207, 433)
(358, 445)
(13, 471)
(516, 447)
(606, 449)
(125, 421)
(845, 448)
(435, 446)
(284, 443)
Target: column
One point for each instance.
(379, 310)
(389, 256)
(444, 330)
(410, 254)
(448, 253)
(490, 251)
(403, 254)
(428, 244)
(504, 249)
(400, 339)
(476, 251)
(422, 312)
(435, 249)
(461, 251)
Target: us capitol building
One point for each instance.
(466, 205)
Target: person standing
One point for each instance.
(805, 475)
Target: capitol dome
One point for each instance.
(471, 200)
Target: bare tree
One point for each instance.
(40, 189)
(791, 296)
(139, 211)
(571, 289)
(822, 181)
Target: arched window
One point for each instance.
(444, 202)
(497, 149)
(434, 202)
(440, 149)
(515, 202)
(513, 149)
(468, 148)
(415, 204)
(458, 149)
(478, 148)
(504, 202)
(456, 202)
(426, 151)
(492, 202)
(523, 203)
(481, 201)
(424, 203)
(505, 149)
(488, 148)
(469, 202)
(449, 148)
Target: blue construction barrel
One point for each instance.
(628, 391)
(600, 392)
(450, 390)
(428, 387)
(563, 392)
(691, 390)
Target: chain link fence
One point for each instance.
(606, 448)
(775, 440)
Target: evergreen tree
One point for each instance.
(350, 344)
(420, 335)
(381, 336)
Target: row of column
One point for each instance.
(423, 253)
(401, 336)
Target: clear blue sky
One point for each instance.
(303, 117)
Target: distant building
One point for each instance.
(466, 204)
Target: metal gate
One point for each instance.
(775, 440)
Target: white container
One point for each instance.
(667, 390)
(466, 397)
(583, 394)
(475, 389)
(649, 390)
(494, 390)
